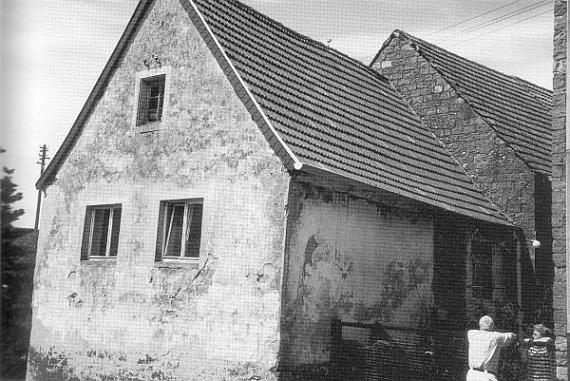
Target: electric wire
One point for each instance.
(496, 20)
(472, 18)
(488, 23)
(505, 27)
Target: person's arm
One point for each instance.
(505, 338)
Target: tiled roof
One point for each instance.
(518, 111)
(317, 108)
(337, 114)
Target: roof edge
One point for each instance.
(486, 217)
(513, 77)
(132, 28)
(384, 44)
(290, 160)
(413, 40)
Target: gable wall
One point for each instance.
(135, 317)
(559, 197)
(502, 176)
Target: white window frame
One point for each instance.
(140, 78)
(166, 227)
(91, 212)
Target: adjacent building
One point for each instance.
(236, 200)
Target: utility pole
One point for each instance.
(42, 162)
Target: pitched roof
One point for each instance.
(518, 111)
(325, 110)
(338, 114)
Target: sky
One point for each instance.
(53, 51)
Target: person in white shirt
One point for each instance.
(485, 349)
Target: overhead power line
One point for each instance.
(473, 18)
(506, 26)
(496, 20)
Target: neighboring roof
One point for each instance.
(332, 112)
(518, 111)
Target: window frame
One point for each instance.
(163, 229)
(88, 232)
(143, 81)
(482, 268)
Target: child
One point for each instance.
(541, 365)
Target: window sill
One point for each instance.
(148, 128)
(178, 263)
(99, 262)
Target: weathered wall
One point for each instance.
(559, 185)
(134, 318)
(353, 260)
(503, 177)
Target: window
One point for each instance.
(101, 232)
(179, 229)
(151, 99)
(482, 257)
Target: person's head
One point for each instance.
(486, 323)
(539, 330)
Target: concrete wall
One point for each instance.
(502, 176)
(559, 186)
(132, 317)
(354, 260)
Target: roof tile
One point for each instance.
(336, 113)
(518, 111)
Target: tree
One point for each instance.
(10, 195)
(18, 249)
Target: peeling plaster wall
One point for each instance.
(352, 260)
(134, 318)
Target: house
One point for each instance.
(236, 200)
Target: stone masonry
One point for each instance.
(503, 177)
(559, 185)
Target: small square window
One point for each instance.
(151, 100)
(101, 232)
(179, 229)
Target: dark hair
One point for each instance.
(542, 329)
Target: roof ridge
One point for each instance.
(500, 73)
(317, 44)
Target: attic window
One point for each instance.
(179, 229)
(151, 100)
(101, 232)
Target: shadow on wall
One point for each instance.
(18, 260)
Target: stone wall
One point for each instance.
(493, 166)
(135, 318)
(559, 186)
(502, 176)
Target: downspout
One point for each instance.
(519, 278)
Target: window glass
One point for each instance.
(175, 221)
(179, 230)
(151, 100)
(101, 231)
